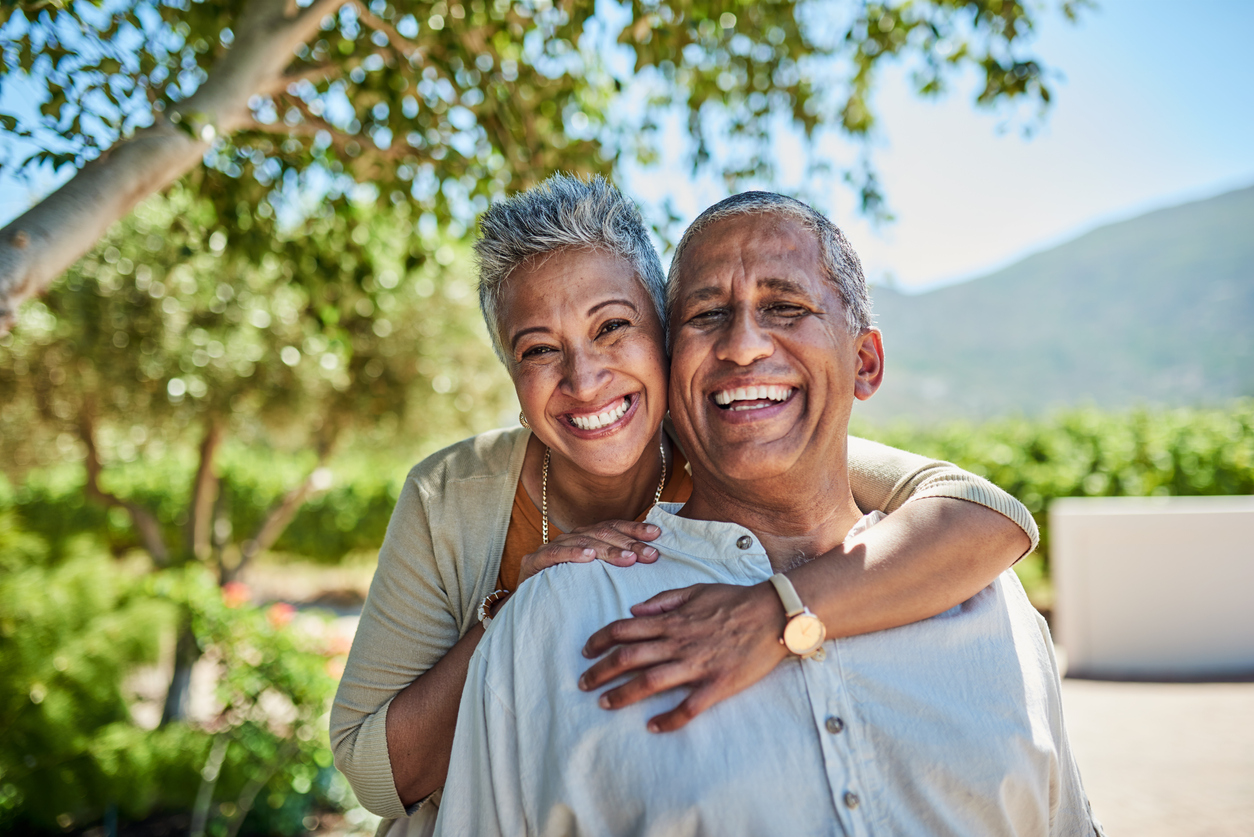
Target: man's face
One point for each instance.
(764, 370)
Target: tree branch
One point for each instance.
(322, 71)
(144, 521)
(396, 39)
(204, 493)
(278, 519)
(41, 243)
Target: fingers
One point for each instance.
(626, 535)
(624, 630)
(663, 602)
(627, 658)
(651, 681)
(553, 554)
(700, 700)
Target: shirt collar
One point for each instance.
(703, 538)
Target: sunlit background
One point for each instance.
(205, 423)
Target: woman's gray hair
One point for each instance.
(839, 261)
(562, 212)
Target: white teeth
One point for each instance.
(771, 392)
(602, 419)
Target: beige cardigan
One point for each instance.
(442, 555)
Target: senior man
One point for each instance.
(952, 725)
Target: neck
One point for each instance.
(578, 498)
(796, 516)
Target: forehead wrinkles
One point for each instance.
(751, 253)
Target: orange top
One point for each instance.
(524, 536)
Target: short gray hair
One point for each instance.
(560, 213)
(839, 261)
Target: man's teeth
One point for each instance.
(603, 419)
(770, 392)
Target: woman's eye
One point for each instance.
(613, 325)
(537, 351)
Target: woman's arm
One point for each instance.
(421, 721)
(422, 718)
(924, 558)
(406, 627)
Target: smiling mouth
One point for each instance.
(602, 419)
(752, 398)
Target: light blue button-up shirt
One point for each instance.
(949, 726)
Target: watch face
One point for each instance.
(804, 633)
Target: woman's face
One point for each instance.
(587, 358)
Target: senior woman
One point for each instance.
(572, 292)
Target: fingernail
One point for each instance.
(587, 652)
(651, 529)
(604, 702)
(627, 553)
(653, 727)
(650, 551)
(589, 553)
(583, 681)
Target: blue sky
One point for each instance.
(1155, 106)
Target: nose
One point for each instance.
(744, 341)
(585, 374)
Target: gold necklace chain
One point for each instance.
(544, 489)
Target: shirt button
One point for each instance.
(834, 725)
(851, 800)
(744, 542)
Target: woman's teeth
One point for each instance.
(603, 419)
(769, 392)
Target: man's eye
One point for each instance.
(785, 309)
(706, 317)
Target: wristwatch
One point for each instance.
(804, 632)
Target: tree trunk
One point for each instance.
(46, 240)
(186, 653)
(204, 495)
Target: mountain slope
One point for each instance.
(1155, 310)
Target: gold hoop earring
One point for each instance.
(522, 419)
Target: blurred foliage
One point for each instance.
(74, 624)
(164, 331)
(351, 516)
(444, 105)
(1088, 453)
(163, 327)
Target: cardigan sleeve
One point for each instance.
(407, 625)
(885, 478)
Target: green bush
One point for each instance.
(1088, 453)
(350, 517)
(74, 623)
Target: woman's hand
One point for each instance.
(617, 542)
(716, 638)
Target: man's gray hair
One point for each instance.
(839, 261)
(561, 213)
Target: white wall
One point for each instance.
(1154, 587)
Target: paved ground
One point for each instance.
(1165, 759)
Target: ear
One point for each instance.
(870, 371)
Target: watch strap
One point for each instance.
(787, 595)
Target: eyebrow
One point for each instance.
(609, 302)
(521, 333)
(776, 284)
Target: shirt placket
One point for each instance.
(832, 714)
